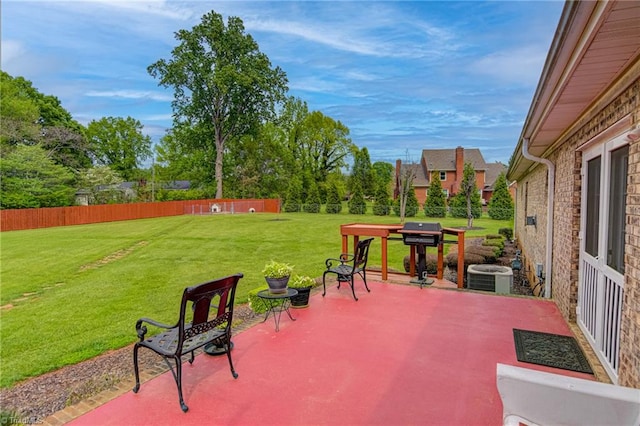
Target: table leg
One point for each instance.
(412, 261)
(384, 258)
(440, 261)
(275, 308)
(460, 260)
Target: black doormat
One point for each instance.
(552, 350)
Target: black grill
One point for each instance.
(421, 234)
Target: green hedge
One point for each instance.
(498, 245)
(487, 252)
(255, 303)
(506, 232)
(432, 263)
(469, 259)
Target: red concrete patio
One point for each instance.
(401, 355)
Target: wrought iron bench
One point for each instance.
(194, 328)
(534, 397)
(347, 266)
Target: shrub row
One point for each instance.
(432, 263)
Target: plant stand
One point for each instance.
(277, 303)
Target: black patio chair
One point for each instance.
(347, 266)
(194, 329)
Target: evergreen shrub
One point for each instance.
(506, 232)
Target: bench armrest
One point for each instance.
(344, 258)
(142, 329)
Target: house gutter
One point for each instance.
(551, 171)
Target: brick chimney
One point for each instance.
(459, 167)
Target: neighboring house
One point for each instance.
(177, 185)
(126, 191)
(577, 167)
(490, 176)
(449, 163)
(115, 193)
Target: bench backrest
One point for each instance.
(538, 398)
(361, 254)
(218, 293)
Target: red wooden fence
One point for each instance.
(13, 220)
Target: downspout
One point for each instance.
(551, 170)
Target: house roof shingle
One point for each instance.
(445, 159)
(420, 179)
(492, 172)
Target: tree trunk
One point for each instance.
(218, 167)
(469, 213)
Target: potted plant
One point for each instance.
(303, 284)
(277, 276)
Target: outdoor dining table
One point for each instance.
(384, 231)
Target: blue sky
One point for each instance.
(403, 76)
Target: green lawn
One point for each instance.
(71, 293)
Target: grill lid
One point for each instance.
(421, 234)
(422, 226)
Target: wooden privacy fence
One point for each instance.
(13, 220)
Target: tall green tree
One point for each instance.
(19, 112)
(312, 203)
(293, 202)
(67, 147)
(219, 76)
(323, 145)
(176, 160)
(259, 165)
(30, 179)
(436, 203)
(362, 173)
(334, 204)
(357, 204)
(467, 202)
(501, 203)
(382, 203)
(119, 143)
(382, 174)
(33, 118)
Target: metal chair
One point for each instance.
(347, 266)
(194, 329)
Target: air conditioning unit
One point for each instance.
(494, 278)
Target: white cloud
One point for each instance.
(130, 94)
(157, 117)
(11, 50)
(317, 33)
(166, 9)
(315, 84)
(521, 64)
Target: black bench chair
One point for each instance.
(194, 329)
(347, 266)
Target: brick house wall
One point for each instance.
(532, 192)
(566, 242)
(630, 339)
(532, 202)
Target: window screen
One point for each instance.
(617, 206)
(593, 206)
